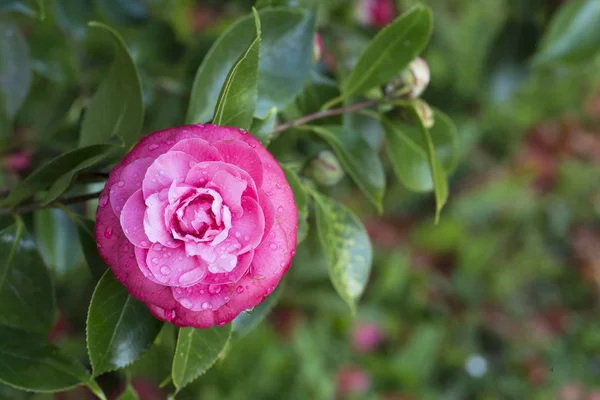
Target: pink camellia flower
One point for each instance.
(366, 336)
(375, 13)
(199, 223)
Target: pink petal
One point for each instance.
(239, 153)
(268, 210)
(155, 226)
(199, 149)
(202, 173)
(230, 188)
(274, 255)
(202, 297)
(243, 263)
(170, 167)
(250, 228)
(172, 267)
(107, 231)
(182, 317)
(132, 220)
(129, 181)
(127, 271)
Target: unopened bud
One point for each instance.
(374, 13)
(425, 113)
(317, 48)
(325, 169)
(412, 82)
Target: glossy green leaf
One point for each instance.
(29, 362)
(55, 173)
(197, 350)
(573, 35)
(445, 140)
(285, 61)
(119, 327)
(55, 234)
(117, 108)
(15, 68)
(248, 320)
(73, 16)
(237, 100)
(129, 394)
(358, 158)
(390, 52)
(347, 247)
(262, 128)
(85, 231)
(26, 293)
(301, 201)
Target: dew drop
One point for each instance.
(214, 289)
(240, 289)
(108, 233)
(206, 305)
(246, 238)
(103, 201)
(165, 270)
(282, 264)
(226, 298)
(238, 234)
(272, 235)
(155, 260)
(187, 303)
(126, 230)
(201, 291)
(120, 184)
(273, 245)
(144, 243)
(278, 186)
(158, 247)
(153, 147)
(280, 209)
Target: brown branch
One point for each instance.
(324, 114)
(31, 207)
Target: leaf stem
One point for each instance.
(31, 207)
(324, 114)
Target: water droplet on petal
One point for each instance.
(238, 234)
(282, 264)
(103, 201)
(214, 289)
(120, 184)
(108, 233)
(153, 147)
(206, 305)
(201, 291)
(280, 209)
(273, 246)
(246, 238)
(272, 235)
(155, 261)
(187, 303)
(240, 289)
(165, 270)
(226, 298)
(144, 243)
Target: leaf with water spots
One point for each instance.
(197, 350)
(347, 247)
(119, 327)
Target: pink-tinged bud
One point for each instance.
(325, 169)
(412, 82)
(352, 380)
(375, 13)
(317, 48)
(17, 161)
(366, 337)
(425, 113)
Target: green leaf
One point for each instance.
(248, 320)
(358, 158)
(445, 140)
(129, 394)
(57, 172)
(301, 201)
(239, 94)
(55, 234)
(15, 68)
(262, 128)
(18, 6)
(347, 247)
(117, 108)
(29, 362)
(26, 292)
(85, 231)
(197, 350)
(390, 52)
(119, 327)
(573, 35)
(285, 61)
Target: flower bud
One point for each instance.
(325, 169)
(374, 13)
(17, 161)
(352, 381)
(317, 48)
(425, 113)
(366, 337)
(412, 82)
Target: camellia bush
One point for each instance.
(175, 171)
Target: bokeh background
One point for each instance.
(500, 300)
